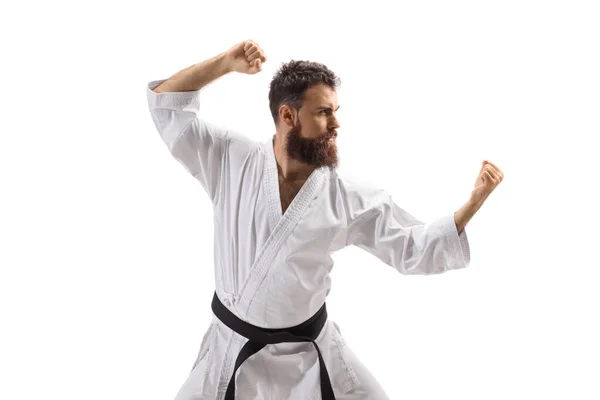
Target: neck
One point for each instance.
(289, 169)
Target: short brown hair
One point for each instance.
(293, 79)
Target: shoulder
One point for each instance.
(243, 142)
(356, 186)
(357, 194)
(235, 144)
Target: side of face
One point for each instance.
(313, 128)
(317, 116)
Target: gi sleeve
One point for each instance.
(410, 246)
(196, 144)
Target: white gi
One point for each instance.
(272, 269)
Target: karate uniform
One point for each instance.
(272, 268)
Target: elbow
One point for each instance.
(426, 260)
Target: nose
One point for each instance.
(334, 124)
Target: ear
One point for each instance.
(287, 115)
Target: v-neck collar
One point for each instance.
(281, 224)
(304, 195)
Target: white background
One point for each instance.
(106, 242)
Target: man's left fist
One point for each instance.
(489, 178)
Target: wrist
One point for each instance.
(464, 214)
(225, 62)
(473, 204)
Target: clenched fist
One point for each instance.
(246, 57)
(488, 179)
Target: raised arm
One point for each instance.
(174, 105)
(197, 76)
(245, 57)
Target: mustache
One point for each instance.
(329, 135)
(326, 136)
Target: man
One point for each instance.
(280, 211)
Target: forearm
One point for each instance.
(197, 76)
(464, 214)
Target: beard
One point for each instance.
(321, 152)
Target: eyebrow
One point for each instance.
(328, 108)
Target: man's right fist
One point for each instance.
(246, 57)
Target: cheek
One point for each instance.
(313, 130)
(320, 126)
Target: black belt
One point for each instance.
(260, 337)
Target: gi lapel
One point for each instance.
(282, 227)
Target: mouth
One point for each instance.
(329, 137)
